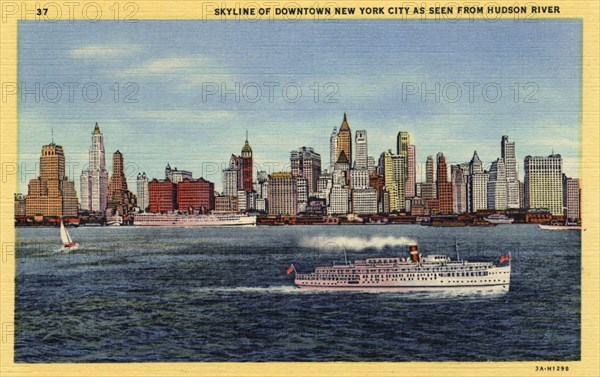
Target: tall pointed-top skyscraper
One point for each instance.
(475, 166)
(247, 167)
(344, 141)
(477, 195)
(94, 180)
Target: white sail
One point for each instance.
(64, 235)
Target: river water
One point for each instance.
(176, 294)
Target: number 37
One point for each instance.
(41, 11)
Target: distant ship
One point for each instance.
(114, 220)
(499, 219)
(560, 227)
(186, 220)
(409, 274)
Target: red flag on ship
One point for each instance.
(291, 269)
(504, 258)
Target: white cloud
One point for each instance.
(169, 65)
(104, 51)
(172, 65)
(183, 73)
(187, 115)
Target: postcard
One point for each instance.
(302, 188)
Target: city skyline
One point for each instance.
(283, 165)
(170, 116)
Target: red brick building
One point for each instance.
(195, 194)
(162, 195)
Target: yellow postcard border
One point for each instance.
(589, 365)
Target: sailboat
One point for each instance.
(68, 243)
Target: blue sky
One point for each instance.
(370, 63)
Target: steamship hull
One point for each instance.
(194, 221)
(409, 289)
(434, 273)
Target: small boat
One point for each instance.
(499, 219)
(68, 243)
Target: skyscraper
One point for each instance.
(261, 186)
(430, 170)
(247, 167)
(512, 182)
(403, 149)
(543, 183)
(120, 199)
(117, 180)
(341, 174)
(94, 180)
(572, 198)
(51, 194)
(508, 155)
(411, 176)
(333, 150)
(359, 178)
(283, 194)
(338, 200)
(231, 176)
(370, 164)
(402, 143)
(428, 189)
(364, 201)
(394, 168)
(306, 163)
(475, 166)
(344, 141)
(497, 187)
(444, 188)
(302, 190)
(459, 192)
(477, 185)
(143, 199)
(360, 142)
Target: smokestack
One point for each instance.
(414, 253)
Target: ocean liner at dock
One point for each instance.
(187, 220)
(409, 274)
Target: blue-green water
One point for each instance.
(150, 294)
